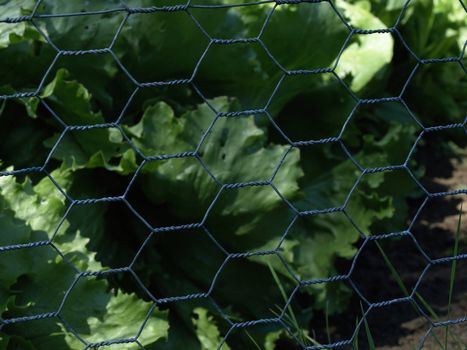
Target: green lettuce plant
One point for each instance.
(59, 278)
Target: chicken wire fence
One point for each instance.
(84, 333)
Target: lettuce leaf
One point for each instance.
(233, 151)
(35, 280)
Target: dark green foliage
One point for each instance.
(93, 163)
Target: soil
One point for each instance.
(436, 233)
(402, 326)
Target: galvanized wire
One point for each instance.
(195, 154)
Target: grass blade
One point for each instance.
(404, 289)
(291, 315)
(369, 337)
(328, 332)
(253, 340)
(393, 270)
(357, 331)
(452, 278)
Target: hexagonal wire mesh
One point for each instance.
(211, 53)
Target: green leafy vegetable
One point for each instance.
(37, 279)
(186, 158)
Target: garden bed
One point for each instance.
(399, 326)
